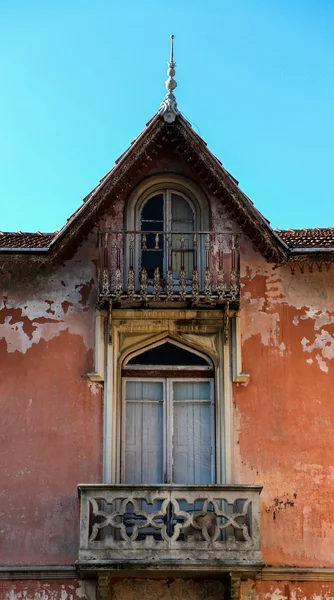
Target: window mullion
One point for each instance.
(168, 210)
(170, 432)
(165, 432)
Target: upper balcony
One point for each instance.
(199, 529)
(148, 268)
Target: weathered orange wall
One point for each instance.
(51, 415)
(287, 590)
(71, 589)
(132, 589)
(284, 417)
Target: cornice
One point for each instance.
(39, 572)
(296, 574)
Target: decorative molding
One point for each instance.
(310, 263)
(168, 108)
(296, 574)
(99, 349)
(39, 572)
(238, 375)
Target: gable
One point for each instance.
(161, 147)
(151, 152)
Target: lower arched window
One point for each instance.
(168, 417)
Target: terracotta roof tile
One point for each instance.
(318, 237)
(19, 239)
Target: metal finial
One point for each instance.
(168, 108)
(171, 58)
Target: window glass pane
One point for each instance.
(191, 390)
(151, 259)
(144, 390)
(182, 246)
(192, 423)
(169, 354)
(144, 432)
(153, 209)
(181, 213)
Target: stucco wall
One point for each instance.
(287, 590)
(165, 590)
(48, 590)
(51, 415)
(284, 418)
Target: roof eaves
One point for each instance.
(104, 181)
(313, 249)
(18, 250)
(218, 166)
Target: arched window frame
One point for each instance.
(162, 376)
(209, 366)
(113, 347)
(167, 184)
(157, 183)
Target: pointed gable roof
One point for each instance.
(159, 134)
(193, 149)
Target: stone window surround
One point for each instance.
(124, 332)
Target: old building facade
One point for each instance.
(166, 390)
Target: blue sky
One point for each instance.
(79, 81)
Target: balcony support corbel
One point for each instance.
(104, 586)
(109, 321)
(235, 586)
(226, 323)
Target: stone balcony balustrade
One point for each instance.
(135, 527)
(153, 267)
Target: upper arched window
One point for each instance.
(167, 220)
(166, 251)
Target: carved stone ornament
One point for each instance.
(168, 107)
(104, 586)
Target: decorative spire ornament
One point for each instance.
(168, 107)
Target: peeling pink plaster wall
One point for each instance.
(48, 590)
(287, 590)
(51, 414)
(284, 417)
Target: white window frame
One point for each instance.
(168, 422)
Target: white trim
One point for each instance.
(108, 418)
(99, 347)
(238, 375)
(228, 416)
(129, 337)
(168, 422)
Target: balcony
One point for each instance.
(201, 529)
(152, 267)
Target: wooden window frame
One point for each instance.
(168, 422)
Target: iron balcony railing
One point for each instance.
(147, 523)
(164, 266)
